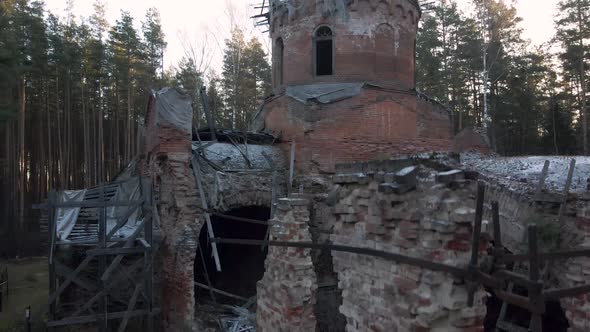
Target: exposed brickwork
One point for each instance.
(286, 294)
(373, 125)
(384, 211)
(373, 40)
(576, 272)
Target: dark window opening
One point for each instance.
(324, 47)
(280, 49)
(241, 265)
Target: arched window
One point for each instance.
(279, 56)
(324, 51)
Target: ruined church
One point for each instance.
(346, 153)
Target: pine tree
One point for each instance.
(573, 32)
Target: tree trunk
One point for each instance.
(22, 156)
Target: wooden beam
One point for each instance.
(93, 318)
(535, 296)
(70, 278)
(475, 240)
(218, 291)
(114, 282)
(197, 174)
(399, 258)
(122, 221)
(64, 271)
(130, 308)
(128, 244)
(291, 169)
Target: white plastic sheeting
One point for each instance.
(127, 191)
(66, 217)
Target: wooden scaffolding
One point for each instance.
(100, 276)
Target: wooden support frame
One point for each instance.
(110, 254)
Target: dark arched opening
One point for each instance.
(279, 56)
(324, 51)
(241, 265)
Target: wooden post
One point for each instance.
(535, 295)
(102, 227)
(51, 226)
(148, 254)
(204, 205)
(475, 242)
(291, 169)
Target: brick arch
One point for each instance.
(246, 198)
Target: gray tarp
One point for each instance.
(66, 217)
(324, 93)
(127, 191)
(174, 108)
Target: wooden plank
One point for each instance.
(102, 243)
(399, 258)
(544, 172)
(197, 174)
(93, 318)
(128, 244)
(535, 297)
(122, 221)
(64, 271)
(548, 256)
(96, 204)
(558, 293)
(241, 219)
(273, 205)
(218, 291)
(475, 239)
(70, 278)
(517, 300)
(130, 308)
(509, 327)
(116, 251)
(125, 274)
(291, 169)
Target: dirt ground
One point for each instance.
(27, 286)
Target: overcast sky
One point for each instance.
(191, 20)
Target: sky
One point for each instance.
(204, 24)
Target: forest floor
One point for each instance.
(28, 286)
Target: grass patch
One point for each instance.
(28, 282)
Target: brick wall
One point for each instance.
(373, 41)
(373, 125)
(286, 295)
(396, 212)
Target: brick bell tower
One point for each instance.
(343, 80)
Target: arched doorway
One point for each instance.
(241, 265)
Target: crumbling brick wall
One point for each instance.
(286, 294)
(381, 208)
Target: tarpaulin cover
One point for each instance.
(66, 217)
(324, 93)
(174, 108)
(127, 191)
